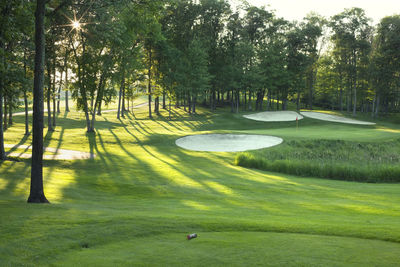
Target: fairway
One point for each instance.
(135, 202)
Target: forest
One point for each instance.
(197, 52)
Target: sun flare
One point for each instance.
(76, 25)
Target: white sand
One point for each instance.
(58, 153)
(333, 118)
(274, 116)
(227, 142)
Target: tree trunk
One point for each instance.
(169, 111)
(373, 106)
(341, 99)
(120, 96)
(149, 85)
(54, 91)
(194, 100)
(10, 120)
(65, 86)
(355, 102)
(232, 102)
(36, 191)
(2, 83)
(123, 102)
(26, 114)
(2, 151)
(377, 105)
(5, 113)
(49, 123)
(163, 100)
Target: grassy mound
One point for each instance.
(333, 159)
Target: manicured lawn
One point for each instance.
(138, 199)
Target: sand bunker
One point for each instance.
(333, 118)
(58, 153)
(227, 142)
(274, 116)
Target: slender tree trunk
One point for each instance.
(36, 191)
(169, 111)
(163, 100)
(377, 105)
(250, 105)
(232, 102)
(26, 114)
(65, 86)
(341, 99)
(373, 106)
(120, 95)
(123, 102)
(26, 100)
(10, 120)
(49, 122)
(149, 85)
(2, 151)
(157, 105)
(54, 91)
(5, 113)
(355, 101)
(194, 101)
(2, 82)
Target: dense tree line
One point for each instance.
(188, 53)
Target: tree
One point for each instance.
(385, 67)
(36, 190)
(351, 39)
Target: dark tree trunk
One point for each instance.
(36, 191)
(54, 91)
(194, 100)
(2, 151)
(49, 122)
(123, 102)
(26, 114)
(120, 96)
(26, 101)
(169, 110)
(341, 99)
(377, 105)
(189, 103)
(149, 85)
(65, 86)
(5, 113)
(2, 83)
(163, 100)
(10, 120)
(232, 102)
(250, 106)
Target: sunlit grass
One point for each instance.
(137, 200)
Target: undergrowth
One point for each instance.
(333, 159)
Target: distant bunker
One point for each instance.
(274, 116)
(227, 142)
(333, 118)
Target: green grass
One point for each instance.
(138, 199)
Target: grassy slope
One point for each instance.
(135, 202)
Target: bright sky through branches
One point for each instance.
(297, 10)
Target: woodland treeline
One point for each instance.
(196, 52)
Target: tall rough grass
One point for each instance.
(341, 160)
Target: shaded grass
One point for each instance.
(138, 199)
(333, 159)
